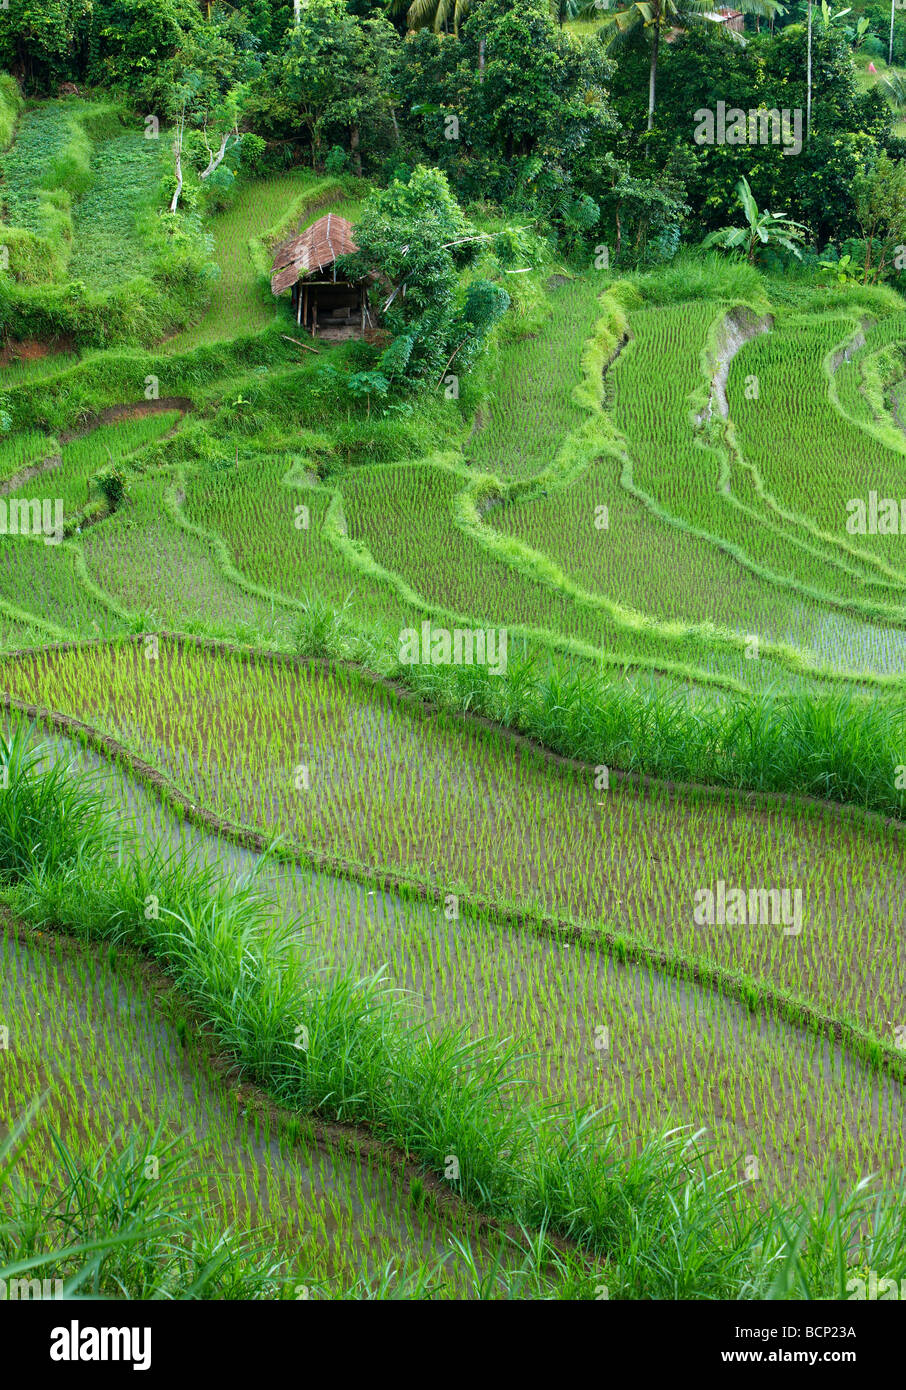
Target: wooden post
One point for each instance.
(298, 304)
(305, 311)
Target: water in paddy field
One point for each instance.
(649, 1049)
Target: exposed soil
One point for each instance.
(25, 475)
(343, 333)
(846, 353)
(31, 350)
(135, 411)
(739, 326)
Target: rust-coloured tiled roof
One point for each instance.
(317, 247)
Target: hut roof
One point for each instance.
(317, 247)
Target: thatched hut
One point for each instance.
(307, 264)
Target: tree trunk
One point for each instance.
(890, 49)
(808, 75)
(652, 76)
(215, 160)
(177, 152)
(481, 44)
(354, 147)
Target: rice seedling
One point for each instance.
(270, 514)
(42, 585)
(158, 570)
(83, 457)
(679, 470)
(21, 450)
(529, 409)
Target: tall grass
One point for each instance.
(106, 1229)
(836, 744)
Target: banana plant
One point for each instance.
(844, 271)
(830, 18)
(761, 229)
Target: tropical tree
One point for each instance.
(412, 240)
(808, 74)
(433, 14)
(761, 229)
(331, 81)
(880, 193)
(209, 73)
(658, 15)
(563, 10)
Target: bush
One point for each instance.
(10, 106)
(336, 161)
(112, 485)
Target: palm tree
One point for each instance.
(436, 13)
(762, 229)
(666, 14)
(566, 9)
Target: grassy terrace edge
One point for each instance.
(756, 995)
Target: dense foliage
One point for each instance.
(515, 107)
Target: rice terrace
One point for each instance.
(452, 656)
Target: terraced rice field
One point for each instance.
(646, 499)
(345, 771)
(108, 247)
(846, 462)
(790, 1099)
